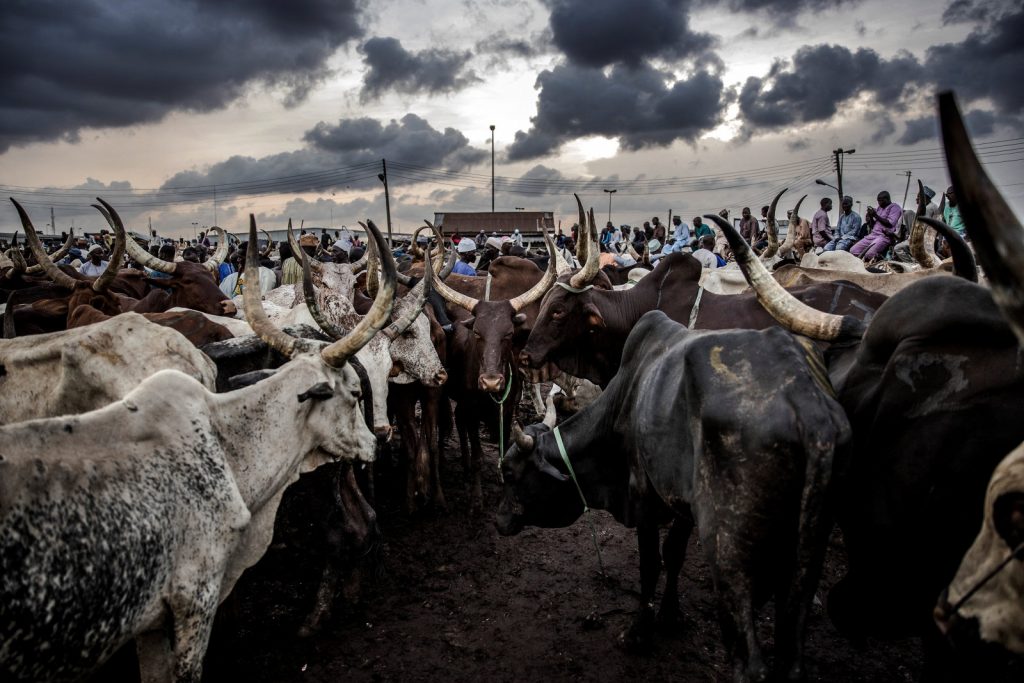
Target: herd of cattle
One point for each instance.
(150, 426)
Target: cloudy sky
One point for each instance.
(202, 111)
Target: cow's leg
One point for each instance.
(736, 616)
(794, 598)
(639, 636)
(431, 439)
(193, 621)
(404, 403)
(475, 460)
(673, 551)
(153, 649)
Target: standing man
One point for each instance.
(951, 213)
(821, 230)
(884, 223)
(847, 227)
(659, 230)
(95, 266)
(748, 225)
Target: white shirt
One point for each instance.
(88, 268)
(706, 258)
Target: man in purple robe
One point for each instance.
(885, 224)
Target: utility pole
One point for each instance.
(215, 205)
(383, 177)
(838, 154)
(906, 192)
(492, 168)
(53, 225)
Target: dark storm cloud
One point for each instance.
(112, 63)
(502, 46)
(817, 81)
(597, 33)
(779, 9)
(883, 124)
(969, 11)
(333, 148)
(391, 67)
(640, 106)
(987, 64)
(978, 121)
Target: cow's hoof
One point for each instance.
(670, 618)
(638, 639)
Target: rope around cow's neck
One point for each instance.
(586, 508)
(501, 416)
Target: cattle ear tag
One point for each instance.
(319, 390)
(519, 318)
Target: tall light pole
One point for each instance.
(383, 177)
(839, 154)
(610, 193)
(195, 224)
(492, 168)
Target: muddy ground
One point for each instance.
(446, 598)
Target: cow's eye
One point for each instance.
(558, 315)
(357, 395)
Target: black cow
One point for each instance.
(933, 391)
(734, 430)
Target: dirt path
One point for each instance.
(450, 599)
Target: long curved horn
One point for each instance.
(582, 235)
(996, 233)
(17, 258)
(101, 283)
(294, 243)
(52, 271)
(791, 313)
(773, 232)
(632, 252)
(270, 244)
(144, 258)
(591, 267)
(646, 260)
(794, 221)
(449, 294)
(550, 414)
(918, 249)
(419, 295)
(338, 353)
(538, 290)
(280, 341)
(438, 261)
(325, 323)
(57, 255)
(963, 258)
(213, 263)
(372, 264)
(449, 266)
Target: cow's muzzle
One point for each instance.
(491, 383)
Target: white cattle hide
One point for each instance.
(135, 520)
(72, 371)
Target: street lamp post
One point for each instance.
(492, 168)
(194, 233)
(383, 177)
(610, 193)
(839, 154)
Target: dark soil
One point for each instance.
(444, 597)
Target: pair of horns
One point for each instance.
(591, 258)
(524, 440)
(518, 303)
(337, 353)
(61, 278)
(297, 250)
(773, 232)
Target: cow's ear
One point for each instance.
(549, 469)
(320, 390)
(593, 317)
(1008, 517)
(519, 319)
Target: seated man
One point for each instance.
(821, 229)
(885, 224)
(847, 227)
(802, 235)
(707, 258)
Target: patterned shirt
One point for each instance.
(849, 225)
